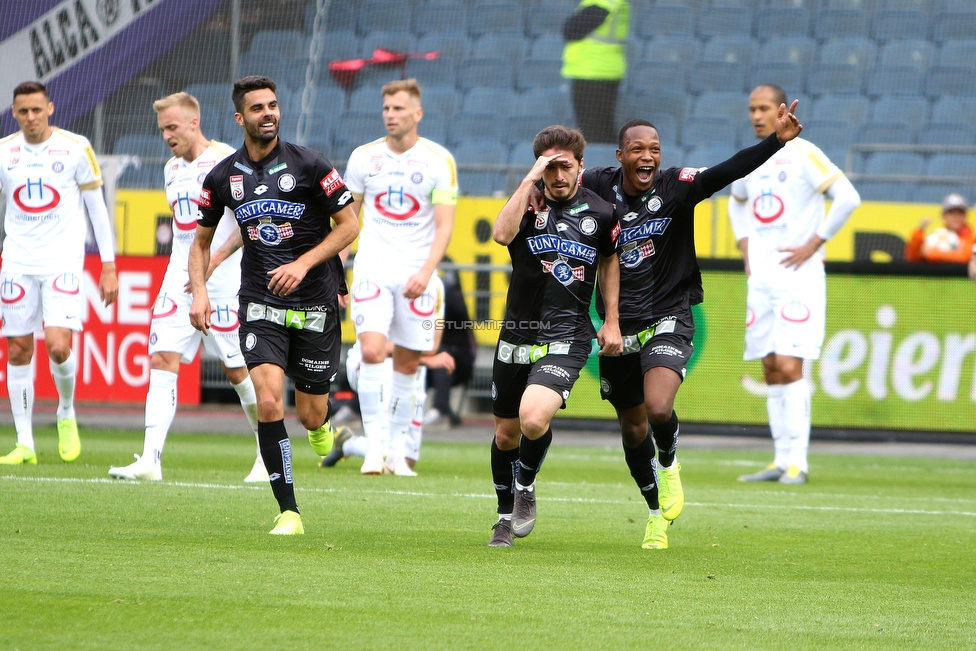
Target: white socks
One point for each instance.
(796, 417)
(249, 403)
(20, 387)
(416, 431)
(777, 425)
(402, 409)
(373, 406)
(160, 410)
(64, 379)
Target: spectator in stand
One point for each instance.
(595, 61)
(950, 243)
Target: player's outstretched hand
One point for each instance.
(787, 126)
(609, 339)
(200, 313)
(286, 278)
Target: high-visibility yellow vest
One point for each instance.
(602, 53)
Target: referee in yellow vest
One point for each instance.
(595, 60)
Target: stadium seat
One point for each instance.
(380, 15)
(547, 46)
(893, 80)
(441, 99)
(396, 41)
(895, 163)
(539, 73)
(911, 52)
(480, 152)
(950, 80)
(724, 21)
(784, 74)
(829, 133)
(703, 132)
(668, 129)
(341, 16)
(267, 64)
(914, 110)
(152, 154)
(722, 104)
(434, 126)
(496, 17)
(836, 155)
(852, 108)
(958, 53)
(717, 75)
(553, 103)
(935, 192)
(500, 101)
(839, 23)
(522, 155)
(708, 156)
(484, 125)
(856, 51)
(286, 43)
(782, 21)
(953, 25)
(955, 109)
(353, 129)
(895, 23)
(731, 48)
(480, 183)
(366, 100)
(948, 165)
(948, 133)
(438, 17)
(834, 78)
(600, 154)
(548, 19)
(502, 45)
(884, 191)
(884, 133)
(809, 5)
(662, 74)
(432, 73)
(662, 101)
(335, 46)
(485, 73)
(523, 128)
(792, 49)
(672, 47)
(666, 19)
(452, 47)
(745, 134)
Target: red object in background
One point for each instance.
(112, 350)
(345, 71)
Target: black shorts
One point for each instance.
(559, 372)
(622, 376)
(309, 357)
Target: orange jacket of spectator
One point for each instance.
(913, 250)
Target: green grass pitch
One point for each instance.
(875, 553)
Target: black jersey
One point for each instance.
(554, 265)
(283, 204)
(659, 274)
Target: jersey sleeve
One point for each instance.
(330, 190)
(819, 170)
(355, 172)
(739, 190)
(211, 204)
(609, 233)
(446, 187)
(88, 174)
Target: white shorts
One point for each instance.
(786, 320)
(171, 331)
(31, 302)
(378, 305)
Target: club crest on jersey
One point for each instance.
(654, 204)
(237, 187)
(562, 271)
(635, 253)
(542, 219)
(416, 178)
(57, 167)
(587, 226)
(286, 183)
(269, 233)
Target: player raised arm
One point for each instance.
(508, 220)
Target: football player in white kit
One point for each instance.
(172, 338)
(777, 215)
(407, 187)
(48, 176)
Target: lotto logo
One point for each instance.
(331, 182)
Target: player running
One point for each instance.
(171, 336)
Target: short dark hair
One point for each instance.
(244, 86)
(558, 136)
(779, 95)
(31, 87)
(630, 125)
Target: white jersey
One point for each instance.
(399, 193)
(785, 198)
(45, 223)
(183, 182)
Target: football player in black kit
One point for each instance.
(284, 197)
(659, 282)
(558, 254)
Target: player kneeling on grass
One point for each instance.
(171, 336)
(556, 253)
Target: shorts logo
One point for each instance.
(688, 174)
(416, 178)
(153, 339)
(750, 317)
(494, 391)
(250, 341)
(261, 189)
(164, 307)
(565, 395)
(604, 386)
(57, 166)
(504, 355)
(224, 319)
(11, 292)
(331, 182)
(795, 312)
(286, 183)
(237, 187)
(66, 284)
(654, 204)
(588, 225)
(424, 305)
(542, 219)
(365, 291)
(360, 319)
(269, 233)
